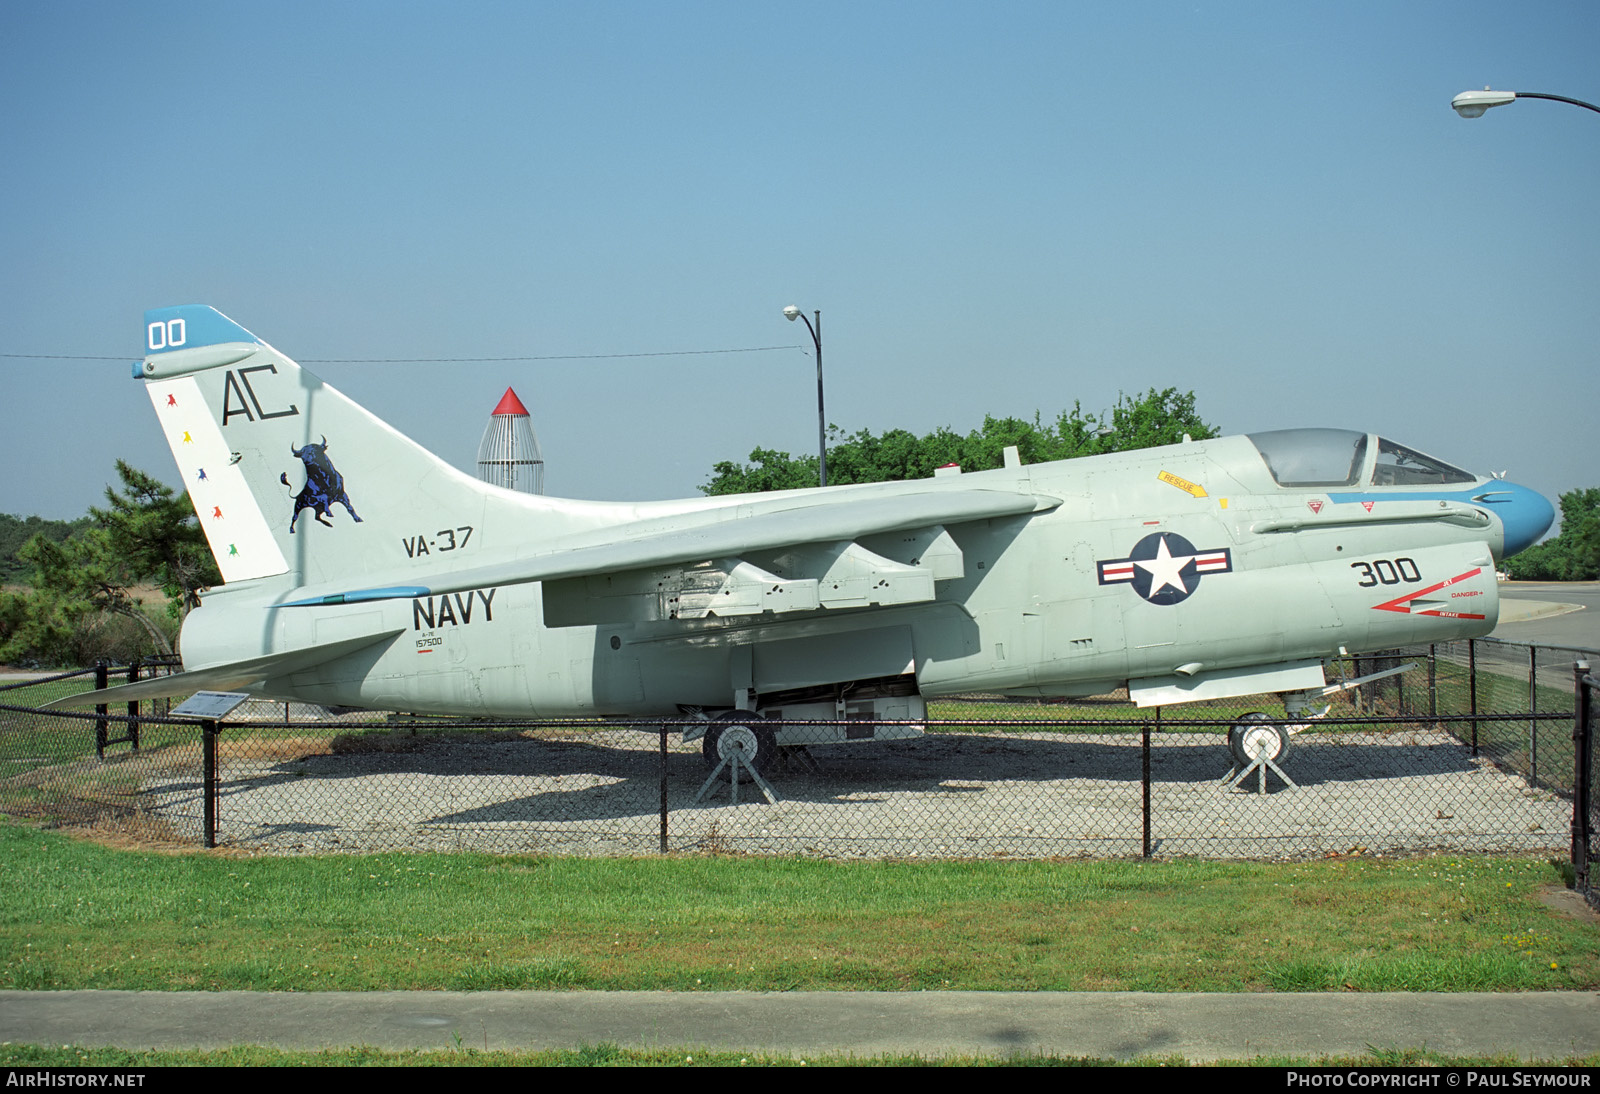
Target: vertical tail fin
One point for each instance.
(287, 475)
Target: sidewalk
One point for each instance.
(1102, 1025)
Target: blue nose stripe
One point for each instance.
(1524, 514)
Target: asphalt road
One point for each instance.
(1567, 613)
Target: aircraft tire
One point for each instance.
(745, 731)
(1246, 739)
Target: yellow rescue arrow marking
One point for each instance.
(1192, 489)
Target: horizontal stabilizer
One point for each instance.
(228, 677)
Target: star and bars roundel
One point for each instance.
(1164, 568)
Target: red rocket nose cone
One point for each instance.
(510, 404)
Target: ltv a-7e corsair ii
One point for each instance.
(362, 571)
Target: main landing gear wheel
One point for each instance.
(1250, 736)
(742, 732)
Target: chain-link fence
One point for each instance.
(1470, 748)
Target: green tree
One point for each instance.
(84, 599)
(75, 585)
(158, 537)
(1154, 418)
(1574, 555)
(16, 531)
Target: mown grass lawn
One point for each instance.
(77, 915)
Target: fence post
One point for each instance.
(1145, 779)
(1472, 688)
(208, 753)
(1533, 708)
(1433, 682)
(133, 707)
(1582, 750)
(663, 730)
(100, 709)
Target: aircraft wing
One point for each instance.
(227, 677)
(670, 567)
(817, 536)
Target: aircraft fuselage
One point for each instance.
(1234, 572)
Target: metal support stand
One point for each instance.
(735, 761)
(1259, 765)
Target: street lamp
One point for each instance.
(1472, 104)
(791, 313)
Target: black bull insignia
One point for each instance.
(324, 485)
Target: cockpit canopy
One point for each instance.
(1339, 457)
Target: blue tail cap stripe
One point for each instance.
(189, 325)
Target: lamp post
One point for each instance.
(1472, 104)
(791, 313)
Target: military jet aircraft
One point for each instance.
(362, 571)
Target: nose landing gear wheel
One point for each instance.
(1249, 738)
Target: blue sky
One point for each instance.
(999, 208)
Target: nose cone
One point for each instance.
(1524, 514)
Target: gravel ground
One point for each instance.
(1022, 795)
